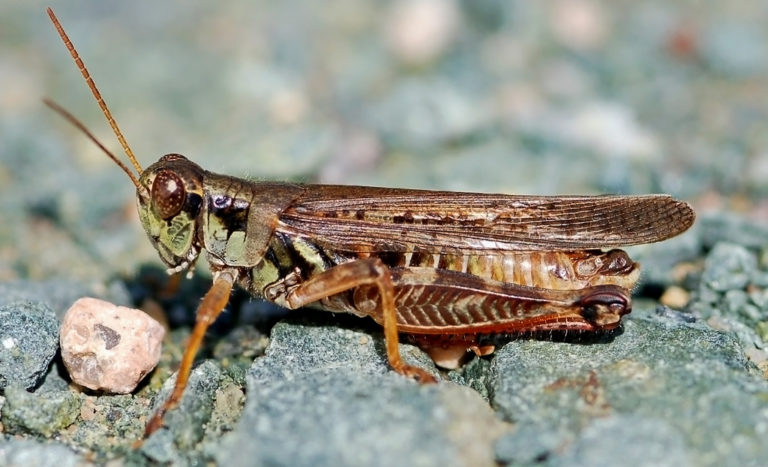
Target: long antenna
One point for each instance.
(73, 120)
(96, 94)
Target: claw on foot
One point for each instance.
(417, 374)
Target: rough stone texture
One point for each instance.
(728, 267)
(60, 294)
(638, 442)
(665, 382)
(30, 453)
(28, 342)
(730, 296)
(323, 395)
(524, 97)
(107, 347)
(41, 413)
(734, 229)
(185, 425)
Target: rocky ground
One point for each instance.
(570, 96)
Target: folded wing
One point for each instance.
(376, 219)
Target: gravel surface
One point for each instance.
(562, 97)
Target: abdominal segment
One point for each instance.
(559, 270)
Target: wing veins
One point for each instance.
(360, 219)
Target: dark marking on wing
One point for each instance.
(392, 259)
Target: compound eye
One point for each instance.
(168, 194)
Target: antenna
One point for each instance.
(73, 120)
(99, 99)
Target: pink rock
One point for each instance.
(108, 347)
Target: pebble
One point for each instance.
(108, 347)
(675, 297)
(579, 24)
(420, 31)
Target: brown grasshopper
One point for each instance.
(446, 269)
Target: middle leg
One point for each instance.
(347, 276)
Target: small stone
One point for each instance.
(664, 311)
(757, 356)
(579, 24)
(108, 347)
(675, 297)
(759, 278)
(734, 301)
(763, 366)
(759, 297)
(420, 31)
(761, 329)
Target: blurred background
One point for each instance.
(554, 97)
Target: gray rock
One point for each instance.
(747, 335)
(736, 300)
(662, 383)
(727, 296)
(529, 445)
(29, 337)
(651, 442)
(40, 413)
(658, 261)
(324, 395)
(60, 294)
(185, 425)
(423, 111)
(760, 278)
(731, 228)
(108, 424)
(759, 297)
(736, 49)
(31, 453)
(728, 266)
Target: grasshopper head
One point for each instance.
(170, 195)
(169, 192)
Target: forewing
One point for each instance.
(376, 219)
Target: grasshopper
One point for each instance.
(446, 269)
